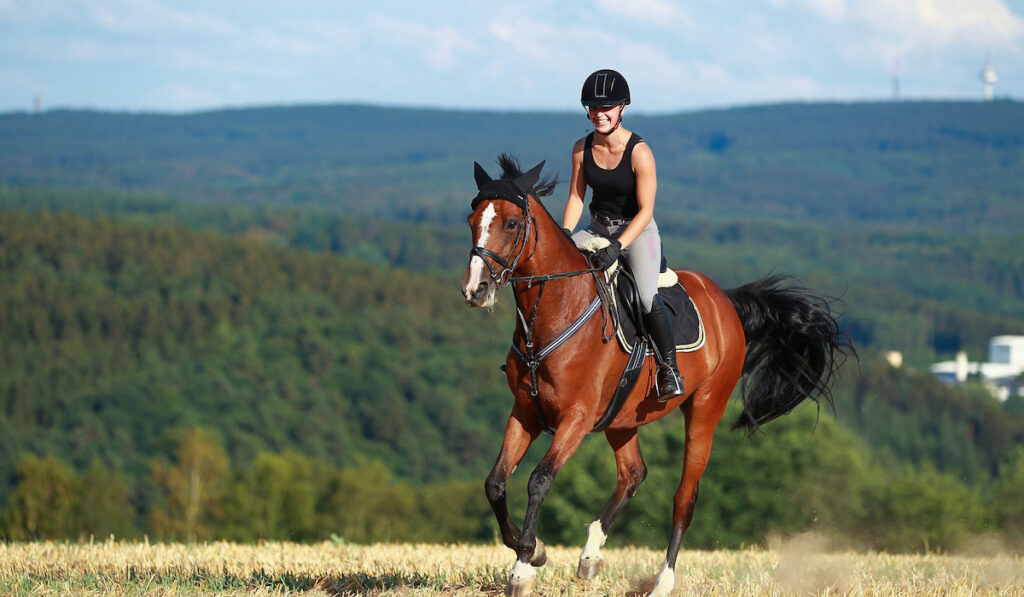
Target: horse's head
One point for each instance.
(502, 225)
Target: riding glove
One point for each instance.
(603, 258)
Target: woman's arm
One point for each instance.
(577, 189)
(646, 188)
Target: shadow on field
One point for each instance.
(368, 584)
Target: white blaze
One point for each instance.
(476, 264)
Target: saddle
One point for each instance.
(687, 325)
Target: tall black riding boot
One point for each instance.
(659, 330)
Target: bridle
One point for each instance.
(508, 264)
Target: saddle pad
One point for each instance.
(687, 325)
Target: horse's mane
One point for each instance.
(511, 170)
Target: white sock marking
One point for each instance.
(521, 571)
(595, 539)
(666, 582)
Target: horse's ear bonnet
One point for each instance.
(509, 189)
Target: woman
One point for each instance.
(619, 167)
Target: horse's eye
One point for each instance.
(511, 224)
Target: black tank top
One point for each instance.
(615, 189)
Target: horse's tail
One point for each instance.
(794, 348)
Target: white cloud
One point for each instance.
(831, 10)
(528, 55)
(147, 16)
(659, 12)
(183, 94)
(939, 22)
(438, 46)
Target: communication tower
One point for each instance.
(988, 79)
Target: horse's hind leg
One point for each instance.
(702, 411)
(517, 440)
(629, 463)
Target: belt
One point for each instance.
(608, 221)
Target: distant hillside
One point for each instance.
(892, 165)
(909, 212)
(117, 335)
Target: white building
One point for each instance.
(1001, 374)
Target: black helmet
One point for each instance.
(605, 88)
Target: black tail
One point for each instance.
(794, 348)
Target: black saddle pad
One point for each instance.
(686, 322)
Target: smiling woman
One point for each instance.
(619, 167)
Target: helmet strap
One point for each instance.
(622, 108)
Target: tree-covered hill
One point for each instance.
(122, 336)
(116, 334)
(902, 164)
(286, 278)
(927, 293)
(910, 210)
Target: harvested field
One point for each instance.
(328, 569)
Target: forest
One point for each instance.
(236, 306)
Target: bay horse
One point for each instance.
(562, 371)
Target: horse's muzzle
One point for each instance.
(477, 288)
(481, 296)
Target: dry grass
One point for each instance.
(118, 568)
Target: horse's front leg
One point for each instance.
(631, 472)
(518, 439)
(531, 552)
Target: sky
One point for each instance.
(524, 55)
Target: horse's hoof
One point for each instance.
(540, 555)
(521, 580)
(520, 589)
(589, 568)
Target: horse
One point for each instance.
(563, 371)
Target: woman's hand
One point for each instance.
(603, 258)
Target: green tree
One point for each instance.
(274, 499)
(1009, 499)
(191, 488)
(105, 509)
(925, 510)
(365, 505)
(44, 504)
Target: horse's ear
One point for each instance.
(481, 176)
(529, 180)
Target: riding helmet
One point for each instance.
(605, 87)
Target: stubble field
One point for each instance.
(329, 569)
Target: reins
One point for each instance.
(532, 357)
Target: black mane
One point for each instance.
(511, 170)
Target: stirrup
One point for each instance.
(673, 378)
